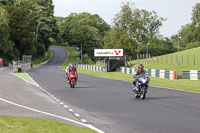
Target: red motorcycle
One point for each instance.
(72, 79)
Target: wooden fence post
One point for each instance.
(146, 59)
(157, 59)
(167, 60)
(143, 56)
(153, 59)
(182, 59)
(171, 60)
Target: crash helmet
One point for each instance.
(70, 65)
(73, 66)
(140, 68)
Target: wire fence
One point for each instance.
(186, 59)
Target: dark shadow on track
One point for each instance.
(160, 98)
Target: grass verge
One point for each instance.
(32, 125)
(180, 84)
(25, 77)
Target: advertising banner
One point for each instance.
(108, 52)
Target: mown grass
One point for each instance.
(180, 84)
(25, 77)
(39, 60)
(170, 61)
(32, 125)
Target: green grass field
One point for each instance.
(187, 61)
(180, 84)
(26, 77)
(32, 125)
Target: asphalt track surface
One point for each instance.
(15, 93)
(110, 105)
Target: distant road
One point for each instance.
(110, 105)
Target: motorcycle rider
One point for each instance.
(70, 68)
(67, 69)
(139, 71)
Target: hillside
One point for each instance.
(188, 60)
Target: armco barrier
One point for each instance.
(191, 74)
(152, 72)
(90, 67)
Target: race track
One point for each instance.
(110, 105)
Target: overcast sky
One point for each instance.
(177, 12)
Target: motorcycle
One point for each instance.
(72, 79)
(141, 85)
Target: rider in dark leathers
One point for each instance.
(139, 71)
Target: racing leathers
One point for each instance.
(137, 76)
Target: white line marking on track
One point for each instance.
(57, 100)
(67, 119)
(61, 103)
(83, 120)
(33, 80)
(53, 115)
(71, 110)
(25, 79)
(77, 115)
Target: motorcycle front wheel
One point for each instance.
(143, 92)
(73, 84)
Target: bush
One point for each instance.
(87, 60)
(192, 45)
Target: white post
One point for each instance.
(147, 49)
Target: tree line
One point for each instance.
(132, 29)
(27, 27)
(189, 34)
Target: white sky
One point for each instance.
(177, 12)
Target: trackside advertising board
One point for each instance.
(1, 61)
(108, 52)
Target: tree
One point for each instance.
(6, 46)
(61, 27)
(20, 31)
(135, 28)
(44, 24)
(190, 33)
(7, 2)
(84, 30)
